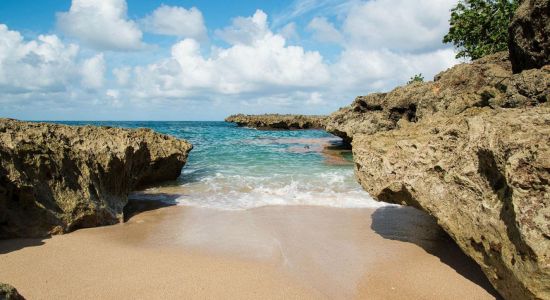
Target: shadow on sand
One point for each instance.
(417, 227)
(10, 245)
(139, 204)
(134, 207)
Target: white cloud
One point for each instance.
(245, 30)
(93, 72)
(315, 98)
(41, 65)
(324, 31)
(382, 70)
(260, 71)
(400, 25)
(258, 61)
(289, 32)
(382, 44)
(177, 21)
(114, 97)
(122, 75)
(44, 76)
(101, 24)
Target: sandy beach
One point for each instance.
(291, 252)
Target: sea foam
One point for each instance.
(235, 192)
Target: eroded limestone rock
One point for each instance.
(487, 82)
(484, 175)
(57, 178)
(276, 121)
(529, 38)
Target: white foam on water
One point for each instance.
(238, 192)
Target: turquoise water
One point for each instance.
(239, 168)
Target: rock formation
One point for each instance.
(57, 178)
(485, 82)
(276, 121)
(484, 175)
(8, 292)
(529, 42)
(471, 148)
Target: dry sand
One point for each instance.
(264, 253)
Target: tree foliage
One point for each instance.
(416, 78)
(480, 27)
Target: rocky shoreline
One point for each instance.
(58, 178)
(278, 122)
(471, 149)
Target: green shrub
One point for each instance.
(416, 78)
(480, 27)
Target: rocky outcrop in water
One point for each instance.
(529, 30)
(484, 175)
(276, 121)
(57, 178)
(8, 292)
(487, 82)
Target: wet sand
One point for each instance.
(264, 253)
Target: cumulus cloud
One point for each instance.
(176, 21)
(122, 75)
(258, 69)
(101, 24)
(324, 31)
(382, 43)
(44, 76)
(257, 61)
(399, 25)
(290, 32)
(388, 41)
(41, 65)
(382, 70)
(93, 72)
(245, 30)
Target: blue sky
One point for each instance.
(204, 60)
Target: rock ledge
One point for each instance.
(276, 121)
(57, 178)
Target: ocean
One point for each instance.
(235, 168)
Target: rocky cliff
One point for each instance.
(276, 121)
(471, 148)
(484, 175)
(487, 82)
(56, 178)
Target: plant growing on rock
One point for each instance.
(480, 27)
(416, 78)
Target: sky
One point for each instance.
(205, 60)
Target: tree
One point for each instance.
(480, 27)
(416, 78)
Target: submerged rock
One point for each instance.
(529, 38)
(276, 121)
(487, 82)
(484, 175)
(57, 178)
(8, 292)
